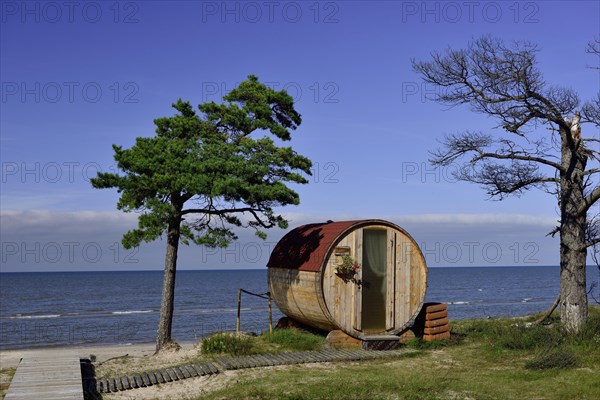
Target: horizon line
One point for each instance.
(260, 269)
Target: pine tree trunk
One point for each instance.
(163, 335)
(573, 295)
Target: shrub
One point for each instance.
(229, 343)
(553, 359)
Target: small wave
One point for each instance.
(480, 290)
(525, 300)
(459, 302)
(19, 316)
(223, 310)
(131, 312)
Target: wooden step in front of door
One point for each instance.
(338, 339)
(380, 342)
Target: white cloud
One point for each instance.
(72, 222)
(463, 219)
(90, 240)
(479, 219)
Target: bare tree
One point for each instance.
(541, 145)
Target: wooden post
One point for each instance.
(270, 314)
(237, 325)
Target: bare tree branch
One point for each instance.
(515, 156)
(590, 111)
(591, 243)
(553, 232)
(592, 171)
(593, 47)
(589, 200)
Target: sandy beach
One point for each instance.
(11, 358)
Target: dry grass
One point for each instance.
(166, 358)
(6, 376)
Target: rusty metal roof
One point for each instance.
(306, 247)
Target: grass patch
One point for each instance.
(227, 343)
(364, 380)
(456, 338)
(280, 341)
(295, 340)
(6, 375)
(553, 359)
(511, 334)
(529, 337)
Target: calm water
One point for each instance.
(42, 309)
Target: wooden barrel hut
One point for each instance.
(310, 283)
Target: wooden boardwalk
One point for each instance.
(223, 363)
(48, 377)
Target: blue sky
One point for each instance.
(76, 79)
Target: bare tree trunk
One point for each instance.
(573, 294)
(163, 334)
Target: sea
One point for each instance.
(96, 308)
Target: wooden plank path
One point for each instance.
(223, 363)
(48, 377)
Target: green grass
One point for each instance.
(291, 339)
(419, 344)
(280, 341)
(485, 359)
(227, 343)
(553, 359)
(424, 377)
